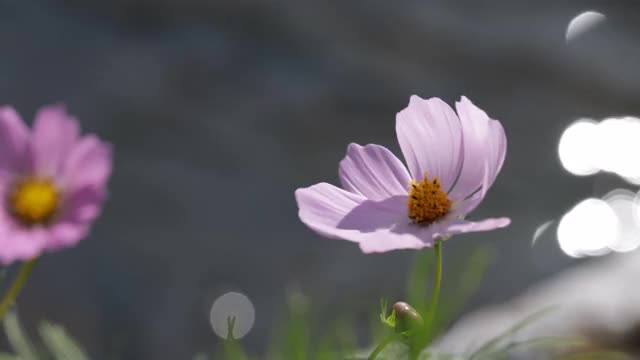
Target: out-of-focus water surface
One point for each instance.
(219, 110)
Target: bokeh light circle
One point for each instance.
(588, 229)
(575, 148)
(623, 203)
(583, 23)
(618, 146)
(232, 304)
(636, 208)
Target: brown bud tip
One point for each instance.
(407, 318)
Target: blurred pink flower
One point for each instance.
(452, 161)
(53, 182)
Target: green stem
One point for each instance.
(386, 341)
(18, 283)
(435, 294)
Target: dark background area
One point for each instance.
(219, 110)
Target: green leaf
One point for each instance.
(231, 348)
(377, 332)
(470, 275)
(60, 344)
(231, 324)
(420, 280)
(344, 337)
(292, 336)
(18, 339)
(390, 320)
(5, 356)
(394, 351)
(297, 333)
(337, 342)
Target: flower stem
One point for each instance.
(386, 341)
(18, 283)
(435, 294)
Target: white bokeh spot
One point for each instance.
(575, 148)
(232, 304)
(583, 23)
(623, 203)
(612, 145)
(618, 146)
(588, 229)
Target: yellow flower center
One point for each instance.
(427, 201)
(33, 200)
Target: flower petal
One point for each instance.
(384, 241)
(323, 206)
(430, 137)
(89, 164)
(463, 207)
(14, 138)
(404, 235)
(19, 243)
(485, 145)
(66, 234)
(83, 205)
(377, 225)
(373, 172)
(54, 135)
(459, 226)
(81, 208)
(409, 233)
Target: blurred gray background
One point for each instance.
(219, 110)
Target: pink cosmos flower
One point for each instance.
(452, 161)
(52, 181)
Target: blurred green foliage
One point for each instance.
(55, 344)
(296, 337)
(295, 341)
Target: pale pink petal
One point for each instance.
(83, 205)
(464, 207)
(14, 139)
(459, 226)
(404, 235)
(66, 234)
(323, 206)
(388, 241)
(19, 243)
(430, 137)
(485, 145)
(373, 172)
(377, 225)
(467, 205)
(54, 135)
(81, 208)
(425, 234)
(89, 164)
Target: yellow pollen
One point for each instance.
(33, 200)
(427, 201)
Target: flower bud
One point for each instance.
(407, 318)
